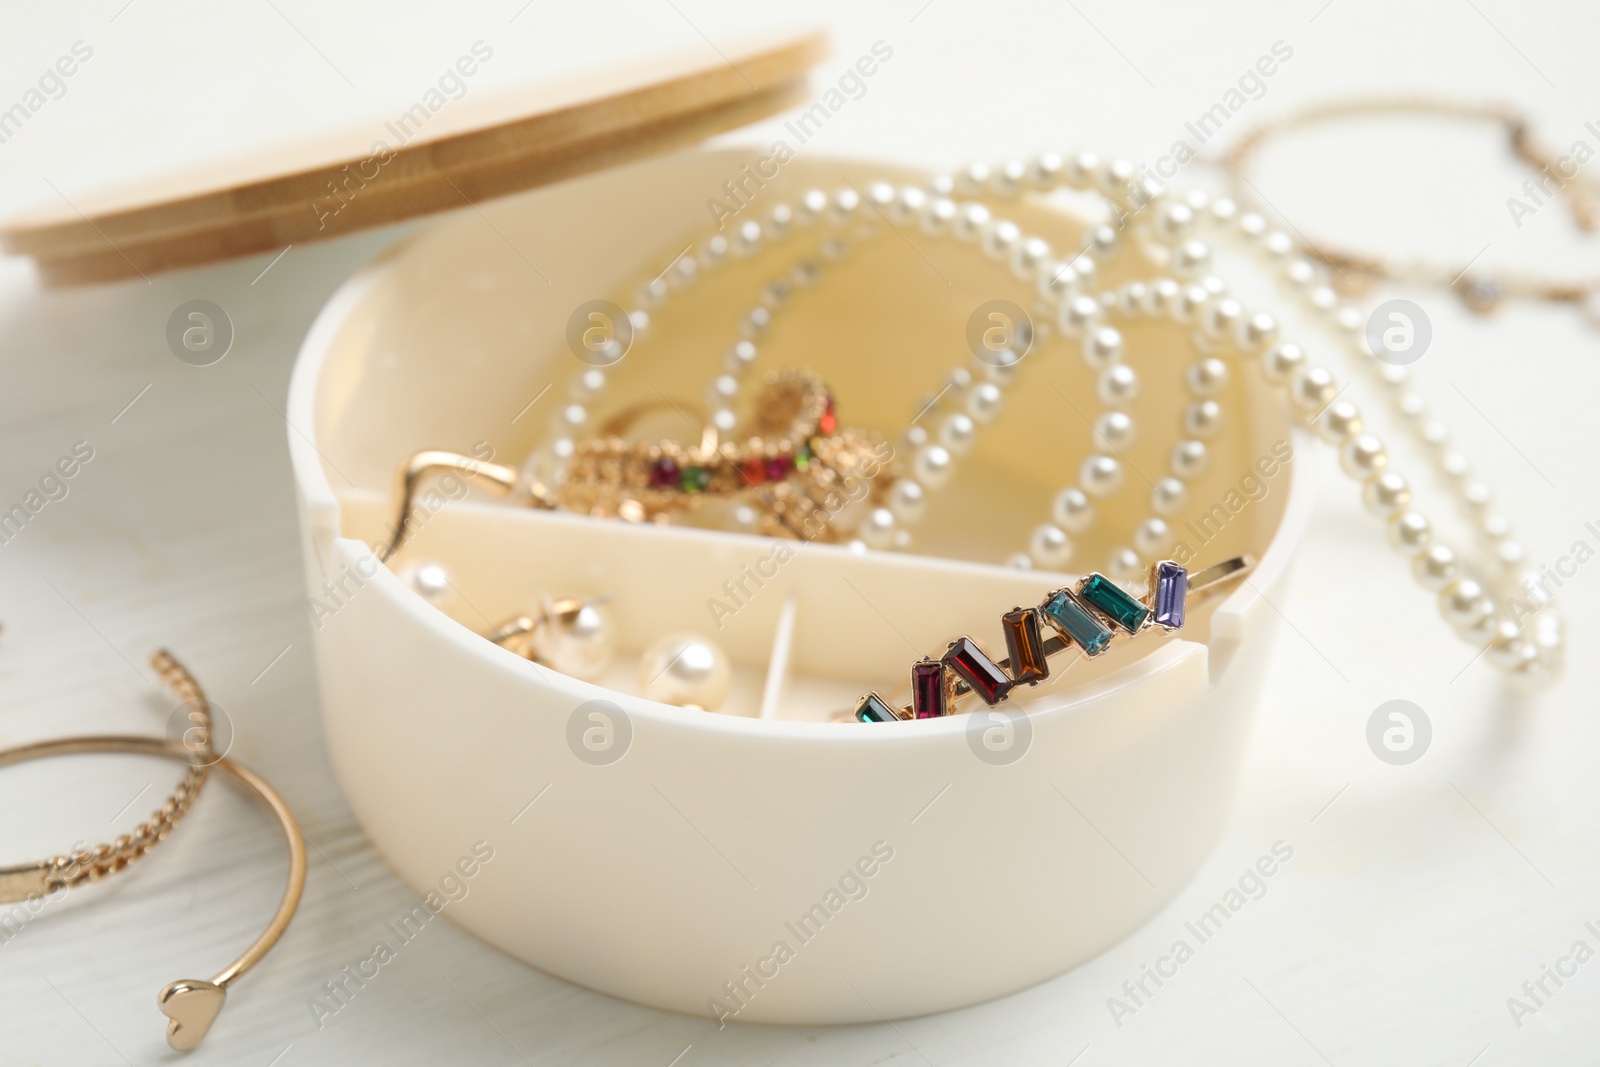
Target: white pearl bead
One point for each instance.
(813, 206)
(1131, 298)
(1454, 466)
(1504, 647)
(916, 436)
(740, 358)
(1494, 526)
(1207, 377)
(1168, 497)
(588, 386)
(1190, 459)
(1020, 561)
(1000, 238)
(755, 323)
(1083, 170)
(1222, 320)
(1224, 210)
(1046, 170)
(1124, 567)
(1277, 244)
(1175, 223)
(1117, 385)
(1282, 361)
(1339, 422)
(1072, 510)
(972, 222)
(1411, 404)
(908, 501)
(725, 420)
(1057, 280)
(877, 529)
(1152, 538)
(983, 402)
(1510, 554)
(1190, 304)
(1049, 547)
(1191, 258)
(933, 465)
(1115, 176)
(747, 239)
(1077, 315)
(940, 216)
(1476, 497)
(1160, 296)
(1028, 257)
(1104, 243)
(569, 420)
(1323, 298)
(909, 205)
(1114, 430)
(724, 389)
(1301, 274)
(844, 206)
(1313, 389)
(1385, 493)
(1410, 532)
(1462, 603)
(1102, 347)
(1363, 456)
(1257, 333)
(776, 293)
(973, 179)
(957, 432)
(1203, 419)
(652, 293)
(1252, 225)
(432, 583)
(687, 670)
(1436, 567)
(1100, 475)
(745, 519)
(578, 643)
(714, 253)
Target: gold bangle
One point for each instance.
(191, 1005)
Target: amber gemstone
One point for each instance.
(979, 671)
(1025, 646)
(927, 689)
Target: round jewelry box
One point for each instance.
(761, 863)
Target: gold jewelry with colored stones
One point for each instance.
(1356, 272)
(793, 464)
(191, 1005)
(1088, 615)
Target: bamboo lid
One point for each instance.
(422, 161)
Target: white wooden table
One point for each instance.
(1418, 898)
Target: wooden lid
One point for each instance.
(418, 163)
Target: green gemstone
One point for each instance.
(802, 458)
(1106, 597)
(694, 479)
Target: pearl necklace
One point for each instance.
(1223, 328)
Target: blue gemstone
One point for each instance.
(1172, 589)
(1076, 622)
(1107, 598)
(873, 708)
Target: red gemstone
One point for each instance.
(829, 421)
(778, 469)
(980, 672)
(927, 689)
(754, 471)
(664, 475)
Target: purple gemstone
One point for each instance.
(927, 689)
(1172, 587)
(778, 469)
(980, 672)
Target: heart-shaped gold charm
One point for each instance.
(192, 1005)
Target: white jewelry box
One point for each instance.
(762, 863)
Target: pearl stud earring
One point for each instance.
(572, 635)
(687, 670)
